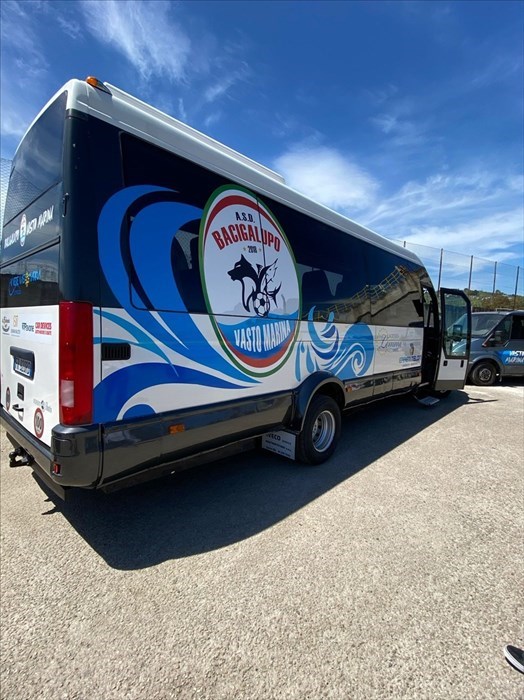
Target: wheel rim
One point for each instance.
(323, 431)
(485, 374)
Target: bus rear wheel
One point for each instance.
(320, 432)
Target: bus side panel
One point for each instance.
(161, 371)
(162, 399)
(161, 374)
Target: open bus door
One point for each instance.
(455, 340)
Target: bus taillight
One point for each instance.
(76, 362)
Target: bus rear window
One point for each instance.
(37, 165)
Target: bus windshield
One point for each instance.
(36, 168)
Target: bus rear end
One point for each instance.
(47, 343)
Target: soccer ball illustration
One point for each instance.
(261, 304)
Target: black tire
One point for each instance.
(484, 374)
(320, 432)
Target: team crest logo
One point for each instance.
(249, 279)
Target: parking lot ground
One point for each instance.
(393, 571)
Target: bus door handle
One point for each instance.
(18, 409)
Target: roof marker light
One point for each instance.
(94, 82)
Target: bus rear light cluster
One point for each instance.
(75, 365)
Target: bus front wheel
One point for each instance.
(320, 432)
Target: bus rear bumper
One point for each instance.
(72, 460)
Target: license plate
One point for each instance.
(23, 362)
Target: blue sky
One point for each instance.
(405, 116)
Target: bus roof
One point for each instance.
(136, 117)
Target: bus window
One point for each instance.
(37, 167)
(330, 286)
(394, 290)
(31, 281)
(186, 268)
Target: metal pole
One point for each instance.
(516, 289)
(440, 268)
(470, 273)
(494, 277)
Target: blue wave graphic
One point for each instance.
(346, 356)
(141, 338)
(150, 240)
(114, 391)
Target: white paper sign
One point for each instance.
(281, 443)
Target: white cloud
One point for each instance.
(475, 211)
(211, 119)
(24, 70)
(221, 87)
(489, 236)
(20, 44)
(402, 132)
(380, 96)
(500, 68)
(15, 119)
(182, 110)
(159, 46)
(328, 177)
(404, 121)
(144, 33)
(147, 34)
(69, 26)
(459, 195)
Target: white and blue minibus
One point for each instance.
(166, 300)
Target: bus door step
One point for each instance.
(427, 401)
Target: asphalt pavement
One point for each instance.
(393, 571)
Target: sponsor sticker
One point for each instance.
(27, 226)
(250, 280)
(44, 405)
(397, 348)
(39, 423)
(29, 326)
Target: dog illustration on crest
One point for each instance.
(255, 285)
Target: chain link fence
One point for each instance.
(489, 284)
